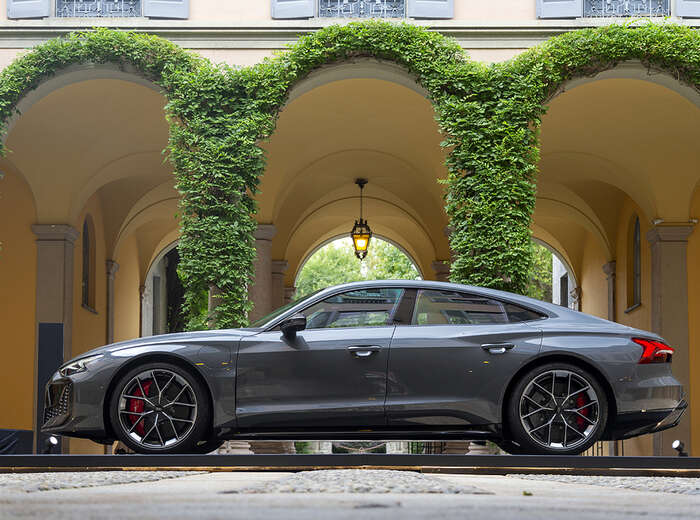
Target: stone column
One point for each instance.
(279, 267)
(54, 308)
(289, 293)
(442, 270)
(260, 292)
(669, 313)
(610, 275)
(112, 268)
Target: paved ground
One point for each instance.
(286, 496)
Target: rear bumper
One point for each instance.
(631, 424)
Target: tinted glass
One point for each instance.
(363, 308)
(453, 308)
(518, 314)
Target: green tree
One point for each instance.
(336, 263)
(540, 278)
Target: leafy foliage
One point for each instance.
(489, 116)
(335, 263)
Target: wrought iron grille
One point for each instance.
(622, 8)
(97, 8)
(362, 8)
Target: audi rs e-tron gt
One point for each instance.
(377, 360)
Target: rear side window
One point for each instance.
(434, 307)
(518, 314)
(453, 308)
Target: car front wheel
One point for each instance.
(160, 408)
(556, 409)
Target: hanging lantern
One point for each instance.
(361, 233)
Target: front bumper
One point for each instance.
(74, 406)
(631, 424)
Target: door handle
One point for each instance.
(497, 348)
(363, 351)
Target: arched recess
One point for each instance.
(565, 288)
(94, 132)
(154, 300)
(338, 237)
(364, 118)
(637, 135)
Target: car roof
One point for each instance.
(549, 309)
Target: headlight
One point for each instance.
(77, 366)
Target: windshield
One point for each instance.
(278, 312)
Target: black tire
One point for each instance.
(543, 432)
(194, 428)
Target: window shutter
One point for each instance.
(293, 9)
(430, 8)
(28, 8)
(559, 8)
(688, 8)
(167, 9)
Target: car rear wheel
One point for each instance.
(160, 408)
(556, 409)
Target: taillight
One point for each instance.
(654, 351)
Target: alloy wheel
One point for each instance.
(157, 409)
(559, 409)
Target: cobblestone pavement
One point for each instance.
(208, 496)
(683, 486)
(32, 482)
(359, 481)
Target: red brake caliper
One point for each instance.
(582, 401)
(137, 406)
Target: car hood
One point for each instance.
(179, 337)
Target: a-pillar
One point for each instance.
(260, 292)
(278, 268)
(669, 313)
(54, 308)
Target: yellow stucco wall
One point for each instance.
(17, 307)
(126, 292)
(593, 283)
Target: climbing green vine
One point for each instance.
(489, 116)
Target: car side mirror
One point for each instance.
(292, 325)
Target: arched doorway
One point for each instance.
(163, 295)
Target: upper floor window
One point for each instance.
(287, 9)
(97, 8)
(173, 9)
(362, 8)
(615, 8)
(624, 8)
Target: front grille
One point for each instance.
(58, 402)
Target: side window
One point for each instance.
(518, 314)
(363, 308)
(453, 308)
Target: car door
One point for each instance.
(332, 375)
(449, 367)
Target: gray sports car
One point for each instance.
(378, 360)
